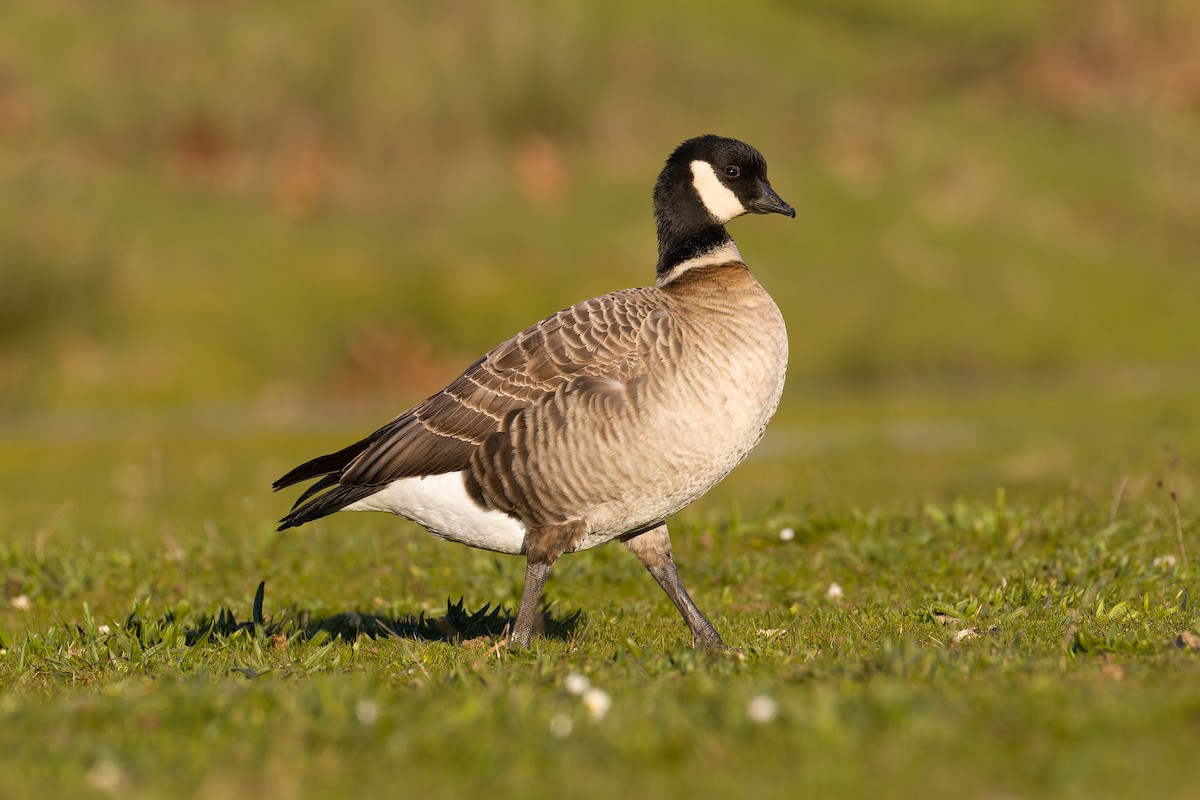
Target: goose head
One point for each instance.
(706, 182)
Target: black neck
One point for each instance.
(688, 231)
(674, 250)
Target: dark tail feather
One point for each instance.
(324, 465)
(316, 488)
(326, 495)
(325, 504)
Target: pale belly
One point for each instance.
(689, 458)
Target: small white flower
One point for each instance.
(21, 602)
(576, 684)
(104, 776)
(762, 709)
(367, 713)
(560, 726)
(103, 630)
(834, 592)
(786, 534)
(598, 703)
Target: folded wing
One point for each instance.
(608, 340)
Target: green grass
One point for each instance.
(1004, 191)
(975, 649)
(233, 236)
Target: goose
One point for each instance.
(600, 421)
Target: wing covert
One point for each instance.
(609, 339)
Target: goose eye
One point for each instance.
(732, 172)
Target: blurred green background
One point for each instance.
(235, 235)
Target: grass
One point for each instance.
(233, 236)
(973, 649)
(985, 185)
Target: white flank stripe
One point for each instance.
(721, 254)
(718, 198)
(440, 504)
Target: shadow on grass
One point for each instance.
(457, 625)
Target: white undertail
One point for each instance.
(441, 504)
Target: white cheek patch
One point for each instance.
(718, 198)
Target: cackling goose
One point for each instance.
(603, 420)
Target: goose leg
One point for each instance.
(543, 546)
(653, 549)
(536, 574)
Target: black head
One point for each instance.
(705, 183)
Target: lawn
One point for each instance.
(973, 649)
(963, 562)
